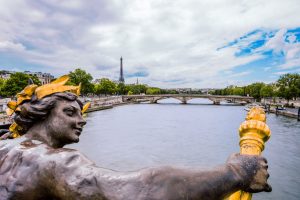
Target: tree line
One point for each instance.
(287, 87)
(104, 86)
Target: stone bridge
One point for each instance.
(184, 98)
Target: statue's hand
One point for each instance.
(251, 172)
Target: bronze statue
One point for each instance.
(34, 165)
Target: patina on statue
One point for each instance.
(34, 165)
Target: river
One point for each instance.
(132, 137)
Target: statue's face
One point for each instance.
(65, 122)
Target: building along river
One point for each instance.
(132, 137)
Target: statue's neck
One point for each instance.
(39, 132)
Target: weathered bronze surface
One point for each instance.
(36, 166)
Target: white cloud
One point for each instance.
(172, 39)
(291, 49)
(277, 42)
(11, 46)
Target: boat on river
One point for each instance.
(280, 107)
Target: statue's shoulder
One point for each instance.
(12, 148)
(37, 153)
(32, 148)
(21, 143)
(8, 145)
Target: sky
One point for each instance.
(164, 43)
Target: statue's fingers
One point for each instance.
(266, 166)
(266, 175)
(268, 188)
(233, 156)
(265, 160)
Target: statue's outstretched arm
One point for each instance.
(83, 179)
(248, 173)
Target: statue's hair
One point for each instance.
(35, 110)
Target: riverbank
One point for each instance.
(285, 113)
(279, 109)
(280, 101)
(105, 107)
(103, 103)
(99, 108)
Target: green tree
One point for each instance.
(168, 91)
(254, 90)
(81, 76)
(130, 92)
(2, 82)
(141, 89)
(267, 91)
(137, 89)
(237, 91)
(16, 83)
(153, 90)
(35, 79)
(216, 92)
(289, 86)
(105, 86)
(121, 89)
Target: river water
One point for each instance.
(132, 137)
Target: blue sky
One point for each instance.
(278, 50)
(171, 43)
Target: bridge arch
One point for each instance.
(169, 98)
(198, 100)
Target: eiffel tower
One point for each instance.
(121, 79)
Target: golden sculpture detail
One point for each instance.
(85, 107)
(56, 86)
(40, 92)
(254, 132)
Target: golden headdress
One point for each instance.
(40, 92)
